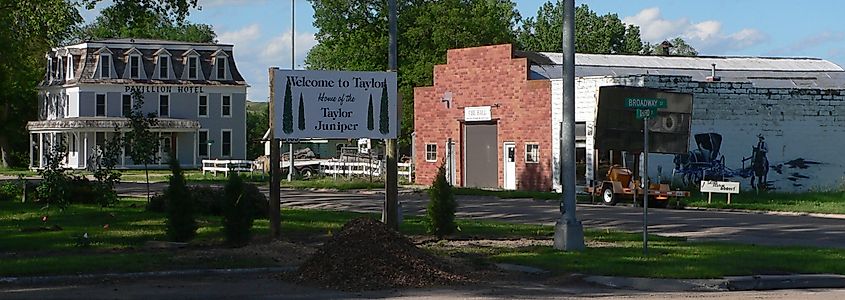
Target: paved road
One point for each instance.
(743, 227)
(268, 287)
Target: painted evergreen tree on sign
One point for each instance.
(370, 123)
(301, 113)
(384, 117)
(287, 116)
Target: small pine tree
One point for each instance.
(384, 113)
(441, 206)
(287, 116)
(370, 123)
(181, 225)
(238, 214)
(301, 113)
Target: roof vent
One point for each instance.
(713, 76)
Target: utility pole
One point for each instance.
(569, 233)
(390, 214)
(275, 197)
(292, 67)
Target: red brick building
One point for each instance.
(478, 78)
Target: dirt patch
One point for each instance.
(366, 255)
(283, 253)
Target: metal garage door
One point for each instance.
(481, 156)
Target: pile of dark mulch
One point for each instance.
(367, 255)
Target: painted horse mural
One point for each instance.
(759, 168)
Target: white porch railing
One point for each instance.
(225, 166)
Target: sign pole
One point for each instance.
(645, 185)
(292, 67)
(275, 199)
(391, 212)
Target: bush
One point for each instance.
(441, 206)
(181, 225)
(10, 190)
(238, 212)
(209, 200)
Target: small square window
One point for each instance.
(532, 153)
(431, 152)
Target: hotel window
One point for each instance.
(164, 67)
(126, 105)
(221, 68)
(70, 67)
(202, 106)
(60, 68)
(105, 66)
(193, 61)
(202, 143)
(50, 66)
(163, 105)
(532, 153)
(226, 106)
(134, 66)
(100, 140)
(226, 142)
(101, 105)
(431, 152)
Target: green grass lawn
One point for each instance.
(811, 202)
(119, 248)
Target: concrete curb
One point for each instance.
(137, 275)
(731, 283)
(767, 212)
(776, 282)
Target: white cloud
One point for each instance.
(811, 41)
(278, 49)
(213, 3)
(706, 36)
(241, 37)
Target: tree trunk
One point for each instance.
(5, 151)
(147, 175)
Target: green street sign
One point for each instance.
(646, 113)
(645, 103)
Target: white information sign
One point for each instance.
(477, 113)
(724, 187)
(334, 104)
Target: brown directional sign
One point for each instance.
(619, 128)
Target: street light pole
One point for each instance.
(390, 213)
(569, 233)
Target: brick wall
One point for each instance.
(485, 76)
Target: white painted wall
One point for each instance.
(797, 124)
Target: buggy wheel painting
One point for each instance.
(307, 173)
(607, 196)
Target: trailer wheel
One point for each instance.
(307, 173)
(607, 196)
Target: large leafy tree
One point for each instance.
(128, 20)
(593, 33)
(353, 35)
(29, 29)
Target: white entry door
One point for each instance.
(509, 165)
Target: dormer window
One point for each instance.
(50, 68)
(134, 66)
(59, 70)
(221, 68)
(193, 66)
(105, 65)
(70, 67)
(163, 67)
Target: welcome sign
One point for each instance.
(334, 104)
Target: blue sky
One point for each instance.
(260, 29)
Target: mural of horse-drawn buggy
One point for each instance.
(703, 163)
(708, 163)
